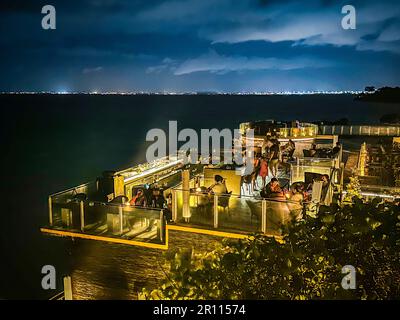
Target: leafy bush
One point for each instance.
(305, 264)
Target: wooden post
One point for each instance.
(82, 212)
(215, 211)
(50, 212)
(67, 288)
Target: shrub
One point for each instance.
(305, 264)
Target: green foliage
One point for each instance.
(306, 264)
(353, 189)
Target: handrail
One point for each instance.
(71, 189)
(58, 296)
(116, 205)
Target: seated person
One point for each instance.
(159, 201)
(335, 151)
(297, 196)
(272, 189)
(156, 198)
(139, 199)
(313, 150)
(297, 190)
(202, 196)
(219, 187)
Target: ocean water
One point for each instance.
(50, 143)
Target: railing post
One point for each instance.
(67, 288)
(186, 195)
(174, 206)
(162, 225)
(50, 212)
(121, 220)
(215, 211)
(264, 216)
(82, 213)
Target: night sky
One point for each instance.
(198, 45)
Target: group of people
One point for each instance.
(298, 191)
(151, 197)
(267, 162)
(323, 153)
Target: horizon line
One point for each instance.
(287, 92)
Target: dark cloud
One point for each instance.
(194, 43)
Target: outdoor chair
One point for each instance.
(223, 201)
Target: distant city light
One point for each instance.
(261, 93)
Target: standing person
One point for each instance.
(292, 148)
(274, 158)
(168, 207)
(263, 173)
(325, 188)
(256, 170)
(266, 145)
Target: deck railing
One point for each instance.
(361, 130)
(233, 213)
(68, 212)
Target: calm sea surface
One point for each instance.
(49, 143)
